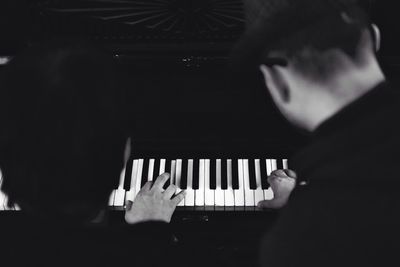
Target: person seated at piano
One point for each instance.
(62, 145)
(319, 63)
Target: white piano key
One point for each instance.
(173, 171)
(285, 164)
(268, 193)
(268, 166)
(219, 193)
(199, 193)
(259, 193)
(178, 179)
(119, 200)
(135, 166)
(229, 194)
(274, 164)
(178, 173)
(150, 172)
(190, 194)
(111, 199)
(209, 198)
(239, 193)
(148, 178)
(248, 192)
(138, 182)
(131, 194)
(162, 166)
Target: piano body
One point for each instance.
(216, 132)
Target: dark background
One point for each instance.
(178, 86)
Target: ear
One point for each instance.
(376, 32)
(276, 84)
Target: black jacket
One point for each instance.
(348, 212)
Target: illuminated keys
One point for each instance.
(208, 192)
(110, 200)
(219, 193)
(268, 193)
(248, 192)
(173, 171)
(136, 181)
(150, 171)
(207, 182)
(199, 193)
(163, 162)
(119, 198)
(190, 195)
(239, 191)
(229, 192)
(285, 164)
(259, 193)
(131, 193)
(178, 179)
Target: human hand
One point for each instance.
(152, 203)
(282, 183)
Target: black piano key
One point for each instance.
(145, 171)
(213, 174)
(156, 169)
(252, 174)
(279, 164)
(196, 174)
(184, 174)
(224, 177)
(167, 170)
(264, 176)
(128, 173)
(235, 174)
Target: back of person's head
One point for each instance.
(310, 49)
(304, 32)
(62, 139)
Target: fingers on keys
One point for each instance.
(147, 186)
(170, 191)
(178, 198)
(160, 182)
(128, 204)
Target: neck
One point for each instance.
(348, 86)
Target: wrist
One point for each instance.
(134, 219)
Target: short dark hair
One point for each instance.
(338, 31)
(61, 113)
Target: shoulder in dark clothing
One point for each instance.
(347, 214)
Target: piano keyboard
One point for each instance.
(207, 182)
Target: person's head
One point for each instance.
(316, 56)
(62, 137)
